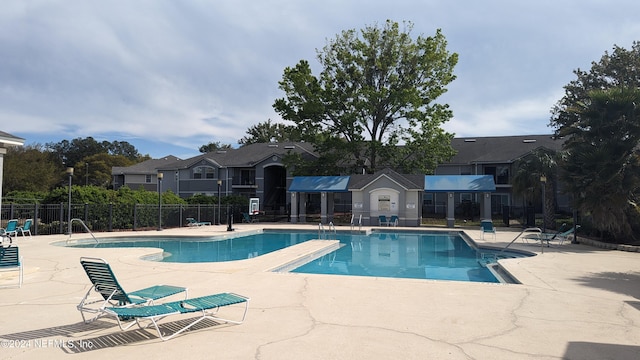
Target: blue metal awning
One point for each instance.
(459, 183)
(319, 184)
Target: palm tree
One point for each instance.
(602, 168)
(535, 172)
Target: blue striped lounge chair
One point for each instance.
(194, 222)
(206, 306)
(104, 282)
(560, 236)
(10, 260)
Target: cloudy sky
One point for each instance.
(171, 75)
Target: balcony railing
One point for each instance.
(244, 181)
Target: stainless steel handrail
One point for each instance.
(333, 228)
(85, 227)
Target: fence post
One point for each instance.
(61, 229)
(35, 218)
(135, 216)
(110, 217)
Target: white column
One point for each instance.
(303, 207)
(451, 218)
(294, 208)
(486, 206)
(323, 207)
(2, 152)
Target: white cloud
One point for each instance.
(515, 117)
(184, 73)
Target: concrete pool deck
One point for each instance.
(575, 302)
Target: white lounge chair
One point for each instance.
(194, 222)
(206, 306)
(549, 237)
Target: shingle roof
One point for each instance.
(499, 149)
(8, 139)
(245, 156)
(491, 149)
(146, 167)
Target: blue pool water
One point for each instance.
(207, 249)
(418, 255)
(438, 255)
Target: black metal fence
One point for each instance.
(54, 218)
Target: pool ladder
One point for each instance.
(83, 225)
(359, 222)
(322, 233)
(487, 259)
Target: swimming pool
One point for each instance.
(436, 255)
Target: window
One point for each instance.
(427, 199)
(500, 174)
(247, 176)
(147, 179)
(384, 203)
(490, 170)
(498, 201)
(203, 172)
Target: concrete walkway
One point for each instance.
(575, 302)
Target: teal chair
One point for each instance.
(25, 228)
(10, 260)
(394, 220)
(248, 219)
(11, 229)
(382, 220)
(487, 228)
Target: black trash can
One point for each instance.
(531, 216)
(505, 215)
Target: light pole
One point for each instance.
(70, 174)
(159, 201)
(219, 209)
(543, 180)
